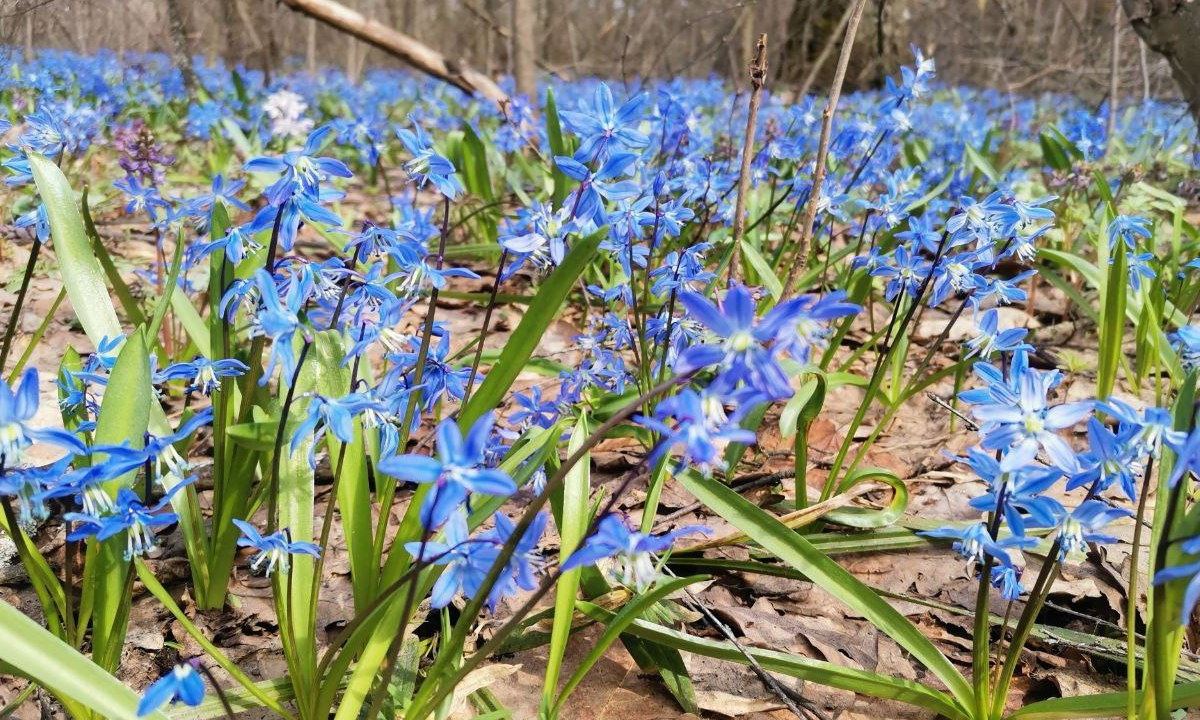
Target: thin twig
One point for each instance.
(758, 77)
(791, 699)
(814, 195)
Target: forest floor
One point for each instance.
(929, 584)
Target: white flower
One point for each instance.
(286, 111)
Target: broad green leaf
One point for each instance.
(795, 550)
(1053, 153)
(554, 136)
(124, 418)
(132, 310)
(524, 340)
(37, 654)
(573, 520)
(81, 273)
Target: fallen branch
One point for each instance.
(407, 48)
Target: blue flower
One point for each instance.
(991, 339)
(426, 164)
(1191, 594)
(273, 549)
(182, 684)
(636, 566)
(464, 560)
(1186, 342)
(17, 408)
(203, 374)
(587, 200)
(1151, 429)
(802, 324)
(601, 123)
(333, 414)
(531, 409)
(301, 171)
(129, 515)
(740, 352)
(526, 561)
(1017, 486)
(458, 470)
(1110, 459)
(1127, 228)
(699, 423)
(1013, 411)
(278, 321)
(237, 244)
(975, 544)
(1084, 525)
(905, 273)
(1138, 265)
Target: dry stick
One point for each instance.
(758, 77)
(407, 48)
(796, 703)
(814, 195)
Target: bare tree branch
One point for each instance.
(409, 49)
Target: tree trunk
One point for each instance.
(1170, 28)
(524, 19)
(181, 48)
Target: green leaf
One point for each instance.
(557, 147)
(1102, 705)
(524, 340)
(824, 673)
(476, 170)
(1053, 153)
(795, 550)
(573, 519)
(763, 269)
(132, 310)
(81, 273)
(1112, 325)
(632, 611)
(981, 163)
(869, 518)
(37, 654)
(160, 309)
(124, 418)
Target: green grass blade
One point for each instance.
(266, 698)
(524, 340)
(617, 625)
(1102, 705)
(36, 653)
(795, 550)
(1112, 323)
